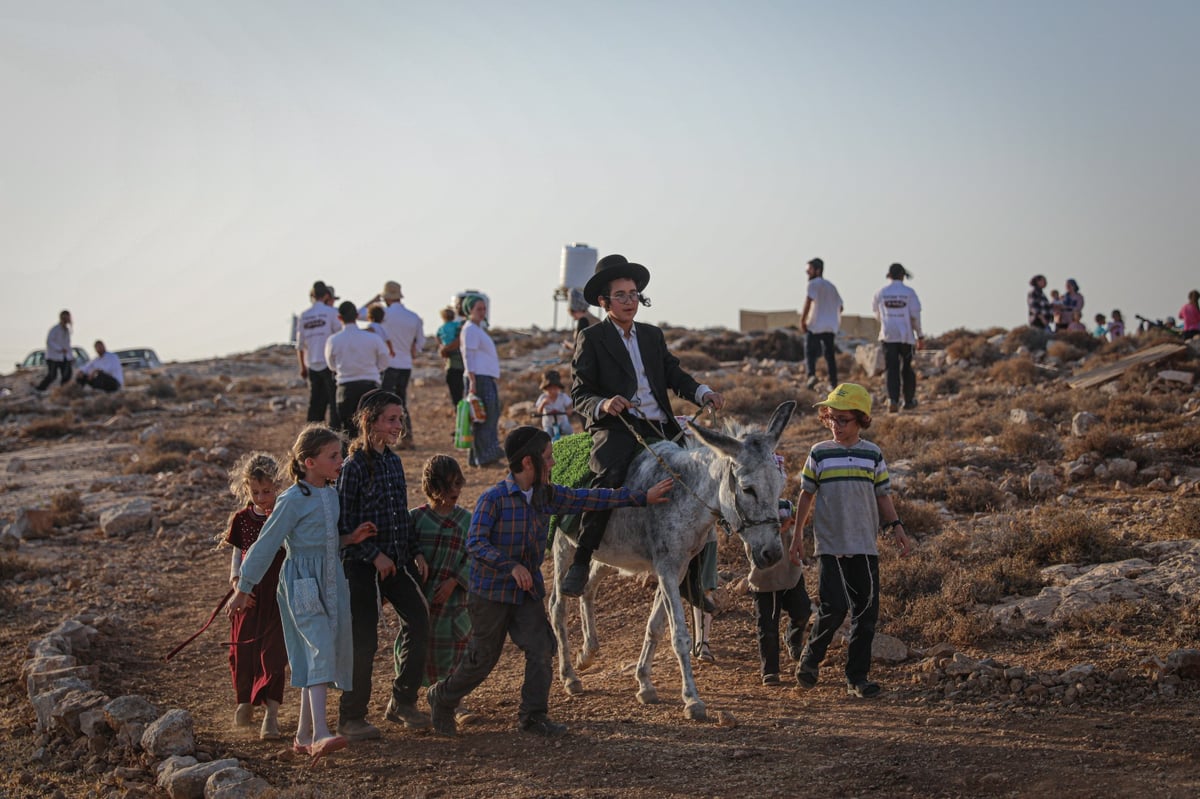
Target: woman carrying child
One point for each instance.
(257, 654)
(314, 599)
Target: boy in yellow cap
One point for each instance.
(845, 485)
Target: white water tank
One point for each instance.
(578, 265)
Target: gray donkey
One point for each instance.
(729, 478)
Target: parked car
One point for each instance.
(37, 359)
(141, 358)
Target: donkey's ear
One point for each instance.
(723, 444)
(779, 420)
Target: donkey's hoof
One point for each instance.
(583, 661)
(695, 711)
(648, 696)
(573, 686)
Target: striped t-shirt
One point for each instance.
(845, 482)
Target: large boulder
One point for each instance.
(170, 734)
(133, 516)
(235, 783)
(187, 781)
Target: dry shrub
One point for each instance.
(1180, 522)
(920, 518)
(1014, 371)
(945, 385)
(1056, 407)
(67, 508)
(1031, 338)
(51, 427)
(939, 454)
(1064, 351)
(1102, 619)
(163, 453)
(961, 493)
(1101, 440)
(929, 619)
(697, 361)
(1184, 442)
(974, 347)
(252, 385)
(908, 436)
(1029, 444)
(161, 387)
(190, 387)
(752, 398)
(1067, 536)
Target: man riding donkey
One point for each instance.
(622, 371)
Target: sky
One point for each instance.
(177, 174)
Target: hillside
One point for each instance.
(1036, 643)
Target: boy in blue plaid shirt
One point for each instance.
(507, 544)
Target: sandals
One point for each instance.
(327, 746)
(301, 749)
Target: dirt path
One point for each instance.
(778, 742)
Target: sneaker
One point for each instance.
(863, 690)
(812, 382)
(406, 715)
(464, 715)
(442, 716)
(771, 679)
(540, 724)
(358, 730)
(575, 581)
(893, 406)
(806, 680)
(911, 405)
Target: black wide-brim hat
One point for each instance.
(610, 268)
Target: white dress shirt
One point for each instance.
(356, 354)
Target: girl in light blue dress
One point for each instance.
(314, 598)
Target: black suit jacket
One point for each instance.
(602, 369)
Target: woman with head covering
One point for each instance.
(481, 366)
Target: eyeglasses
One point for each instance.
(626, 296)
(842, 421)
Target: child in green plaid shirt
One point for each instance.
(441, 527)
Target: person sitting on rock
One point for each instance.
(103, 372)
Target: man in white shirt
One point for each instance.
(103, 372)
(357, 357)
(59, 356)
(313, 329)
(899, 313)
(819, 321)
(405, 332)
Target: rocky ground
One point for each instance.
(1015, 716)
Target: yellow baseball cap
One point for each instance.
(848, 397)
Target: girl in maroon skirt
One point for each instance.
(257, 654)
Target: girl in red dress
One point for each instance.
(257, 654)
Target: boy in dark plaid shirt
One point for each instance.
(507, 544)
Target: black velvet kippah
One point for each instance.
(516, 441)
